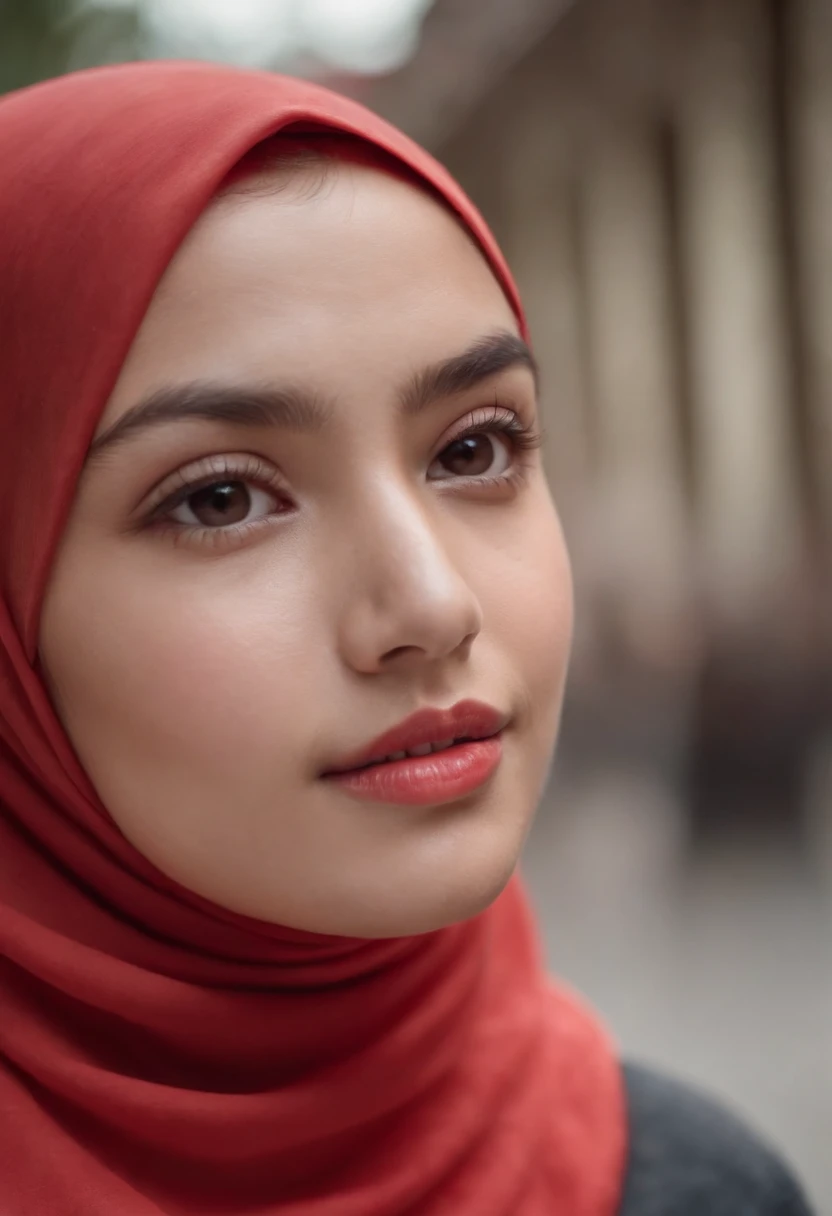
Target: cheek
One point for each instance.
(207, 674)
(529, 607)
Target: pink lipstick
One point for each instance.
(433, 757)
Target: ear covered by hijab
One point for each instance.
(158, 1054)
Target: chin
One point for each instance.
(425, 882)
(413, 907)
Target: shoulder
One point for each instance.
(689, 1156)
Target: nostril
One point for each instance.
(401, 651)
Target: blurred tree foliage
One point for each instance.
(43, 38)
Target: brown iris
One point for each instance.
(470, 456)
(222, 503)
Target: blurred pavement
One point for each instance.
(720, 970)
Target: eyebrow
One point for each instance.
(487, 357)
(297, 409)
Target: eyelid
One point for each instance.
(497, 416)
(483, 416)
(241, 466)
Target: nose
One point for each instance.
(409, 605)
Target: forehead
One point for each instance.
(360, 280)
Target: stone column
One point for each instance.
(810, 135)
(810, 132)
(747, 503)
(750, 714)
(641, 516)
(541, 248)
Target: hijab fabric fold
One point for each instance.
(160, 1056)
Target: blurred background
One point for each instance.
(659, 173)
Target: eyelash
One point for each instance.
(499, 419)
(495, 419)
(242, 467)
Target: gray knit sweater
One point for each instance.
(690, 1157)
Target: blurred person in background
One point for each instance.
(285, 623)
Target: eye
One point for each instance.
(223, 504)
(219, 501)
(482, 454)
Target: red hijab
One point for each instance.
(159, 1055)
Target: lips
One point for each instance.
(426, 732)
(434, 758)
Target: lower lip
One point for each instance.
(426, 780)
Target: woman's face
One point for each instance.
(317, 517)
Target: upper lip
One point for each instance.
(465, 720)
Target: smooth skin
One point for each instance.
(211, 655)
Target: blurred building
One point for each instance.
(659, 173)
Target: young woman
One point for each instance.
(285, 617)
